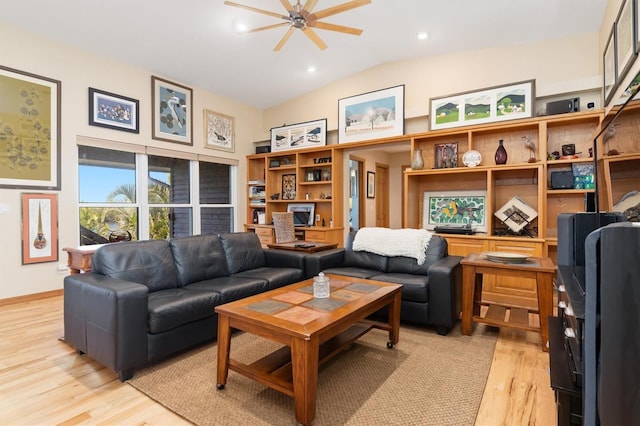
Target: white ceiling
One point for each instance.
(193, 41)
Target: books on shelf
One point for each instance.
(257, 182)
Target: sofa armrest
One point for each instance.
(107, 319)
(445, 286)
(277, 258)
(321, 260)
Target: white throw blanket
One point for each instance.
(393, 242)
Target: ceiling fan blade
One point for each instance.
(338, 9)
(284, 39)
(314, 38)
(308, 7)
(268, 27)
(253, 9)
(334, 27)
(287, 5)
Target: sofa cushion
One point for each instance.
(148, 262)
(231, 288)
(362, 259)
(276, 277)
(243, 251)
(436, 250)
(198, 257)
(352, 272)
(415, 288)
(172, 308)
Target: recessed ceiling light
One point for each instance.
(240, 27)
(422, 35)
(311, 69)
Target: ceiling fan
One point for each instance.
(302, 18)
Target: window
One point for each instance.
(132, 195)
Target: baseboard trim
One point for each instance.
(31, 297)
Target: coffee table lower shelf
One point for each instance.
(498, 315)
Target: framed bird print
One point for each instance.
(301, 135)
(172, 115)
(218, 131)
(455, 208)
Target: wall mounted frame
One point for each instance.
(172, 111)
(39, 228)
(113, 111)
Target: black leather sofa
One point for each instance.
(145, 300)
(431, 292)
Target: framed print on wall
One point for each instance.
(372, 115)
(30, 130)
(626, 47)
(371, 185)
(39, 228)
(300, 135)
(113, 111)
(609, 67)
(218, 131)
(172, 113)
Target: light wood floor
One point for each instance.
(43, 381)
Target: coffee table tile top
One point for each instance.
(307, 289)
(325, 304)
(300, 315)
(295, 297)
(363, 288)
(346, 295)
(269, 306)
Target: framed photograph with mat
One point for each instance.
(455, 208)
(113, 111)
(172, 111)
(289, 187)
(218, 131)
(39, 228)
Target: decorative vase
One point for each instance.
(501, 153)
(417, 163)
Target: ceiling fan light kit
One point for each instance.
(302, 18)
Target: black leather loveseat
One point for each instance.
(145, 300)
(431, 292)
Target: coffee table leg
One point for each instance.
(224, 345)
(304, 361)
(394, 320)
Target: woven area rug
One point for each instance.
(426, 379)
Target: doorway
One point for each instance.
(356, 193)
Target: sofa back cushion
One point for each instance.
(243, 251)
(362, 259)
(198, 258)
(436, 250)
(147, 262)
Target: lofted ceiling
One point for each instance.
(194, 42)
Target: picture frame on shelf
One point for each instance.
(446, 155)
(299, 135)
(516, 214)
(441, 208)
(609, 67)
(371, 185)
(274, 163)
(218, 131)
(172, 111)
(113, 111)
(289, 187)
(626, 46)
(39, 228)
(30, 119)
(491, 104)
(372, 115)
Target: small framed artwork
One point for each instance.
(172, 113)
(455, 208)
(310, 176)
(626, 47)
(39, 228)
(113, 111)
(289, 187)
(516, 214)
(609, 67)
(30, 130)
(373, 115)
(218, 131)
(446, 155)
(274, 163)
(300, 135)
(371, 185)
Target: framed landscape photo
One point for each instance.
(372, 115)
(113, 111)
(516, 214)
(172, 111)
(218, 131)
(371, 185)
(300, 135)
(30, 125)
(455, 208)
(39, 228)
(491, 104)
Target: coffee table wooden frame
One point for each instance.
(293, 369)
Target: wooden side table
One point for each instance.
(79, 258)
(305, 246)
(476, 265)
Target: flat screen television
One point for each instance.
(303, 213)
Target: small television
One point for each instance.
(303, 213)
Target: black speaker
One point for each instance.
(562, 180)
(263, 149)
(563, 106)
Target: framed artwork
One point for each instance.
(516, 214)
(300, 135)
(488, 105)
(373, 115)
(371, 185)
(289, 187)
(39, 228)
(446, 155)
(172, 113)
(626, 46)
(218, 131)
(455, 208)
(30, 130)
(113, 111)
(609, 67)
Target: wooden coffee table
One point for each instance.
(313, 330)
